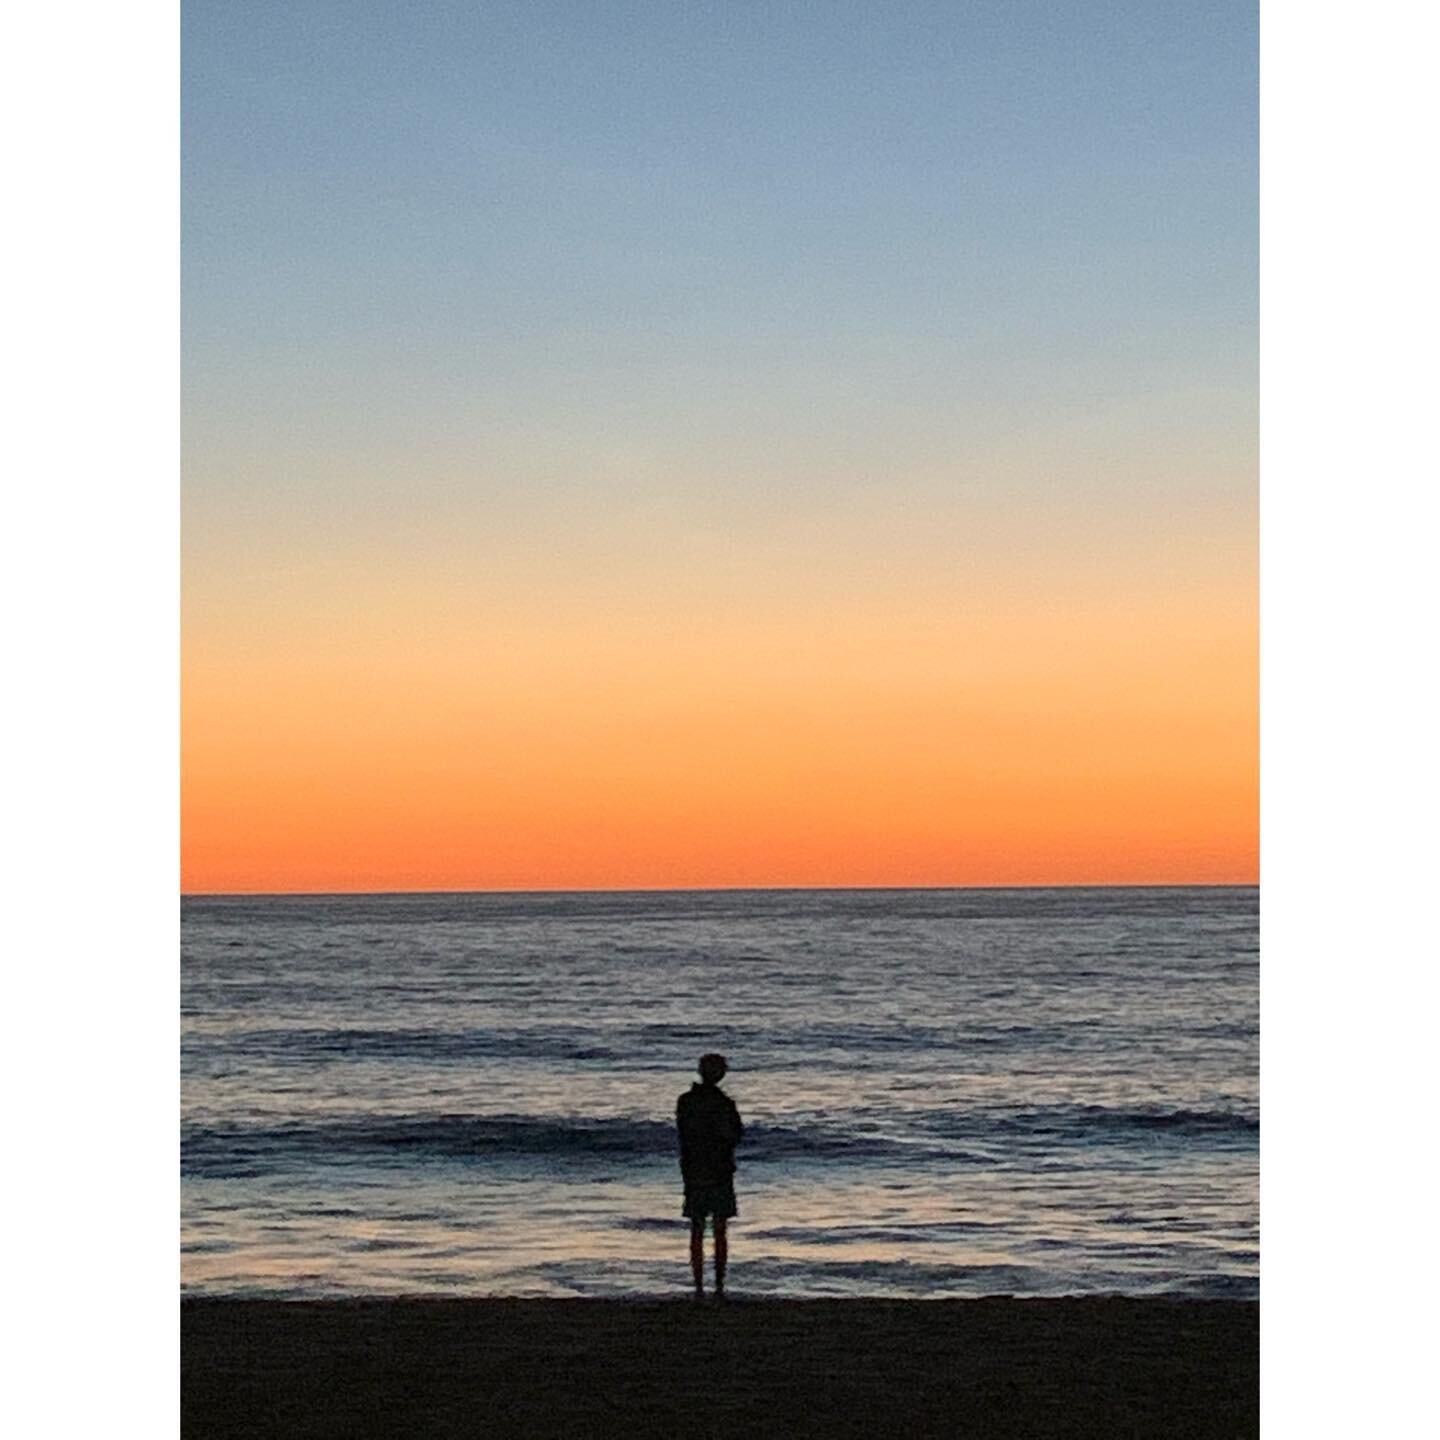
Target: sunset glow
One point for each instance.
(779, 483)
(610, 737)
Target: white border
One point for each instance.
(91, 245)
(1349, 719)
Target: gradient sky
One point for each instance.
(719, 444)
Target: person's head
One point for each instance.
(712, 1069)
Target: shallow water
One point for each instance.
(946, 1092)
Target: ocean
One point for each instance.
(946, 1092)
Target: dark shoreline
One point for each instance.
(1111, 1366)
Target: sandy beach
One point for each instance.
(1110, 1367)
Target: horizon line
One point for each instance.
(709, 890)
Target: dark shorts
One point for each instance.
(717, 1201)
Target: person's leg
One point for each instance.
(697, 1253)
(722, 1253)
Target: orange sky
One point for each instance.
(432, 723)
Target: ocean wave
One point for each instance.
(307, 1046)
(949, 1137)
(216, 1149)
(812, 1277)
(858, 1045)
(1089, 1122)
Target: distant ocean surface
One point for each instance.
(947, 1092)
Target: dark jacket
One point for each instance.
(709, 1126)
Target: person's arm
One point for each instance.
(737, 1129)
(681, 1130)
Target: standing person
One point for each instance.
(709, 1126)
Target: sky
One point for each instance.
(736, 444)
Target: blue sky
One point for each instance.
(810, 238)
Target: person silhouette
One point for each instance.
(710, 1128)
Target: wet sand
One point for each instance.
(993, 1367)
